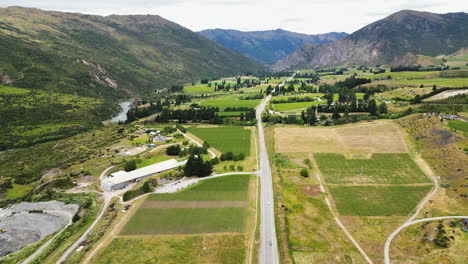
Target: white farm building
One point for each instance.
(120, 179)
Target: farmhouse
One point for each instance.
(120, 179)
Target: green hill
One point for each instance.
(108, 57)
(33, 116)
(76, 66)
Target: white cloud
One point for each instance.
(305, 16)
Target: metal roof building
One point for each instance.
(120, 179)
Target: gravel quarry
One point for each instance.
(26, 223)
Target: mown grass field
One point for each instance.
(377, 200)
(381, 168)
(171, 219)
(146, 161)
(229, 188)
(230, 101)
(199, 89)
(458, 125)
(406, 75)
(174, 249)
(233, 139)
(292, 106)
(186, 221)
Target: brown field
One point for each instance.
(192, 204)
(375, 137)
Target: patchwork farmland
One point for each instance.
(367, 171)
(215, 213)
(233, 139)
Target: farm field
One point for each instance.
(186, 221)
(199, 89)
(276, 80)
(458, 125)
(381, 168)
(216, 214)
(371, 181)
(229, 101)
(377, 200)
(307, 231)
(440, 82)
(174, 249)
(254, 90)
(377, 137)
(174, 214)
(230, 188)
(407, 75)
(292, 106)
(146, 161)
(404, 93)
(233, 139)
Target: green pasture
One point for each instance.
(292, 106)
(381, 168)
(186, 221)
(233, 139)
(377, 200)
(197, 219)
(458, 125)
(230, 101)
(227, 188)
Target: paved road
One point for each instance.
(268, 245)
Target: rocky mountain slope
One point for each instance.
(386, 40)
(267, 46)
(106, 57)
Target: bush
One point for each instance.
(197, 167)
(173, 150)
(76, 217)
(304, 173)
(130, 165)
(145, 188)
(231, 156)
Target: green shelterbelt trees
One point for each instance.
(196, 166)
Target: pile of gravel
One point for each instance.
(24, 223)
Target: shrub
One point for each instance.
(304, 173)
(173, 150)
(130, 165)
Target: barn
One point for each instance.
(121, 179)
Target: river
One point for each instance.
(122, 116)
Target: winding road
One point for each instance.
(427, 170)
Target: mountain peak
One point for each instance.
(266, 46)
(386, 40)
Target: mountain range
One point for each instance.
(405, 33)
(108, 57)
(268, 46)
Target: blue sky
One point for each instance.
(305, 16)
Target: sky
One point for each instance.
(304, 16)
